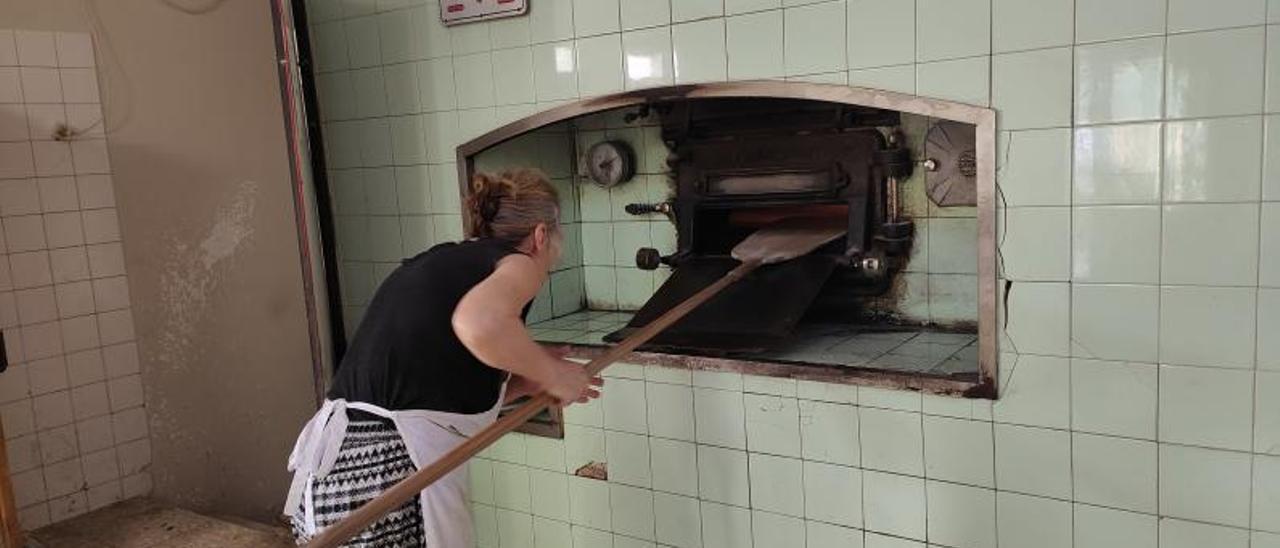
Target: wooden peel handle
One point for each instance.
(409, 487)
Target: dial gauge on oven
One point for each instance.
(610, 163)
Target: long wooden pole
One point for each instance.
(409, 487)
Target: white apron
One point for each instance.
(428, 435)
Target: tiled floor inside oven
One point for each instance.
(916, 350)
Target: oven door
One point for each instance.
(753, 315)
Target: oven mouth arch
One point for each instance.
(982, 118)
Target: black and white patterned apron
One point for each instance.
(338, 465)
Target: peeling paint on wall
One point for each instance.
(192, 273)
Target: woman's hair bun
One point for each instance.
(509, 204)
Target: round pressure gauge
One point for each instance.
(610, 163)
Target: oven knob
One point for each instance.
(648, 258)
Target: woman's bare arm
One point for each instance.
(487, 321)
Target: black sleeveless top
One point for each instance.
(405, 354)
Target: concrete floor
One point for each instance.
(145, 523)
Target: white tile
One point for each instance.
(1036, 243)
(633, 512)
(675, 466)
(621, 401)
(1037, 319)
(720, 418)
(894, 504)
(104, 495)
(1266, 493)
(8, 48)
(28, 488)
(722, 476)
(1199, 62)
(1265, 540)
(678, 521)
(1020, 25)
(63, 478)
(628, 458)
(1115, 398)
(16, 161)
(90, 401)
(1210, 326)
(116, 326)
(669, 408)
(552, 20)
(829, 432)
(552, 490)
(1117, 164)
(592, 17)
(892, 440)
(600, 65)
(24, 233)
(52, 410)
(960, 515)
(1098, 20)
(58, 444)
(1032, 89)
(42, 341)
(36, 48)
(41, 85)
(1269, 269)
(64, 229)
(30, 269)
(474, 77)
(10, 84)
(899, 78)
(121, 359)
(79, 85)
(814, 39)
(1033, 460)
(776, 484)
(725, 526)
(1107, 528)
(958, 451)
(699, 51)
(1115, 322)
(688, 10)
(125, 392)
(963, 80)
(890, 41)
(1034, 392)
(773, 425)
(58, 194)
(18, 418)
(1114, 472)
(833, 494)
(647, 58)
(1266, 435)
(86, 120)
(1199, 168)
(1189, 15)
(1271, 99)
(515, 528)
(52, 158)
(20, 197)
(80, 333)
(1184, 534)
(47, 375)
(1034, 167)
(1206, 406)
(637, 14)
(754, 43)
(555, 72)
(101, 226)
(95, 434)
(1033, 521)
(1119, 81)
(770, 530)
(952, 29)
(103, 260)
(513, 76)
(16, 120)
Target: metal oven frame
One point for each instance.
(982, 118)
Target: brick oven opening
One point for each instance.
(655, 195)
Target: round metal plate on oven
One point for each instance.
(952, 181)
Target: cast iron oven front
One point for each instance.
(738, 164)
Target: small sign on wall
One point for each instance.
(456, 12)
